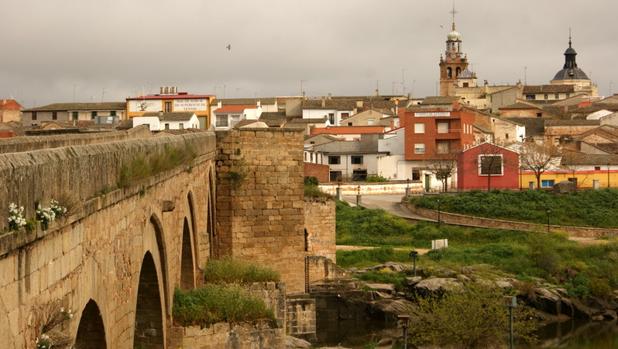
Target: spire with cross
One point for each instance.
(453, 12)
(570, 41)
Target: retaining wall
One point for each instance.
(465, 220)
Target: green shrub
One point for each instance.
(477, 318)
(217, 303)
(310, 180)
(369, 257)
(313, 191)
(375, 179)
(144, 166)
(234, 271)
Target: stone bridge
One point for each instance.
(140, 223)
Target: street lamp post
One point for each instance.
(548, 212)
(512, 304)
(407, 187)
(413, 256)
(439, 221)
(358, 196)
(405, 324)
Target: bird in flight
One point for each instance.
(229, 47)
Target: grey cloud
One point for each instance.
(51, 48)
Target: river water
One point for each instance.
(356, 332)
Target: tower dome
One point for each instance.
(454, 36)
(570, 70)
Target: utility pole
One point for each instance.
(302, 91)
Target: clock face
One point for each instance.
(142, 106)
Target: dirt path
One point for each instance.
(420, 251)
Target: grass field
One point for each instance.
(596, 208)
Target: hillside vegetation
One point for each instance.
(582, 269)
(595, 208)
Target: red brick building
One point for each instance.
(488, 166)
(438, 128)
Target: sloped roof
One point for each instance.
(80, 106)
(245, 101)
(576, 122)
(234, 108)
(535, 89)
(440, 100)
(9, 104)
(581, 159)
(520, 105)
(608, 132)
(534, 126)
(348, 130)
(363, 146)
(273, 119)
(611, 148)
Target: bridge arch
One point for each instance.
(187, 262)
(161, 248)
(149, 310)
(210, 215)
(193, 223)
(91, 330)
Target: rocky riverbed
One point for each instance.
(366, 310)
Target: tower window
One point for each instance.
(457, 72)
(449, 73)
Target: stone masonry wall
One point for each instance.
(475, 221)
(232, 336)
(29, 143)
(260, 200)
(320, 223)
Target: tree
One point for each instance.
(444, 168)
(475, 318)
(537, 158)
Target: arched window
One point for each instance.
(457, 72)
(449, 72)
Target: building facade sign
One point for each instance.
(145, 106)
(181, 105)
(433, 114)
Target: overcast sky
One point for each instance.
(89, 50)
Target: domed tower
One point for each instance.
(571, 74)
(453, 63)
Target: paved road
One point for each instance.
(390, 203)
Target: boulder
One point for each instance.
(551, 301)
(296, 343)
(432, 286)
(395, 306)
(390, 266)
(384, 288)
(413, 280)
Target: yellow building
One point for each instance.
(169, 100)
(589, 171)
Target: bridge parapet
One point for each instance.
(80, 173)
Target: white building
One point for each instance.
(167, 121)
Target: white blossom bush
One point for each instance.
(45, 215)
(43, 342)
(57, 208)
(16, 217)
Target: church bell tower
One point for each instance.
(453, 63)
